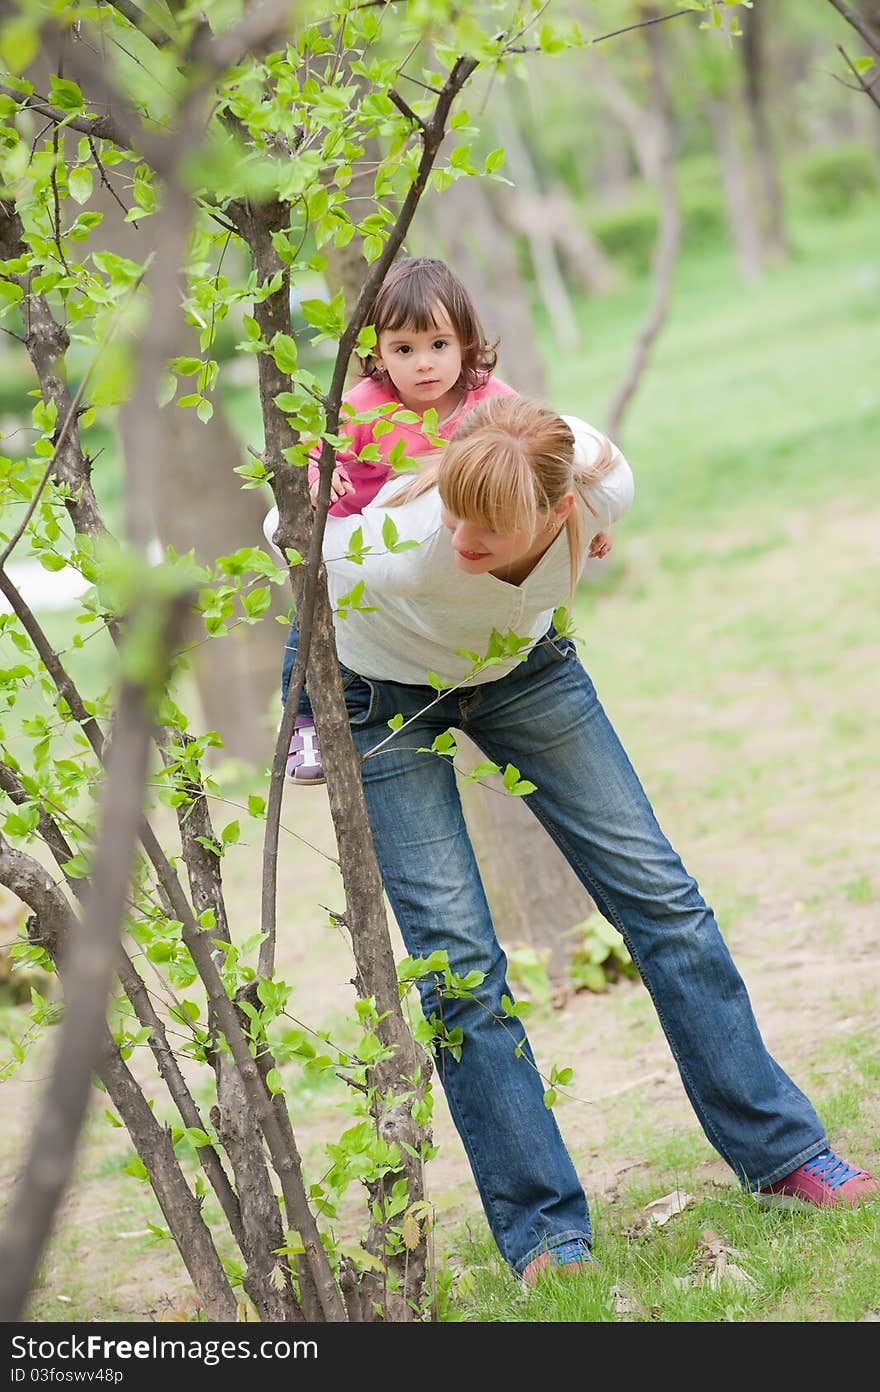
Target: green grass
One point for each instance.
(791, 1266)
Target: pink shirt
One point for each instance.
(368, 477)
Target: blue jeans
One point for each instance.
(545, 718)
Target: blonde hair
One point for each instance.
(509, 461)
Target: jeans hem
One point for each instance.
(808, 1153)
(553, 1240)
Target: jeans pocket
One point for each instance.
(360, 697)
(558, 647)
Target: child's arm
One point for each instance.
(600, 546)
(340, 484)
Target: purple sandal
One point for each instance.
(304, 763)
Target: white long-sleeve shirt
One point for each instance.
(423, 609)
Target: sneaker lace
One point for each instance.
(831, 1169)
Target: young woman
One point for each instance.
(503, 518)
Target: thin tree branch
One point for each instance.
(867, 87)
(102, 173)
(406, 110)
(61, 436)
(140, 21)
(857, 23)
(98, 127)
(612, 33)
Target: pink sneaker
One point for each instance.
(304, 764)
(568, 1259)
(825, 1181)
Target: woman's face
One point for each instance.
(479, 551)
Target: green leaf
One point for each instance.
(50, 561)
(274, 1081)
(494, 161)
(445, 744)
(366, 340)
(360, 1256)
(19, 42)
(10, 292)
(136, 1167)
(65, 94)
(79, 181)
(283, 350)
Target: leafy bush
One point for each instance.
(834, 179)
(600, 957)
(628, 233)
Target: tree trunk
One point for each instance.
(774, 246)
(534, 897)
(461, 224)
(656, 152)
(583, 254)
(744, 230)
(538, 229)
(238, 678)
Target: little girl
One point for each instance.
(431, 354)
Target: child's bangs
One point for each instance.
(488, 487)
(410, 306)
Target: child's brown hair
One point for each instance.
(408, 299)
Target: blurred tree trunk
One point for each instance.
(774, 245)
(651, 133)
(200, 504)
(460, 225)
(536, 227)
(745, 232)
(583, 254)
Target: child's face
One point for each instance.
(424, 365)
